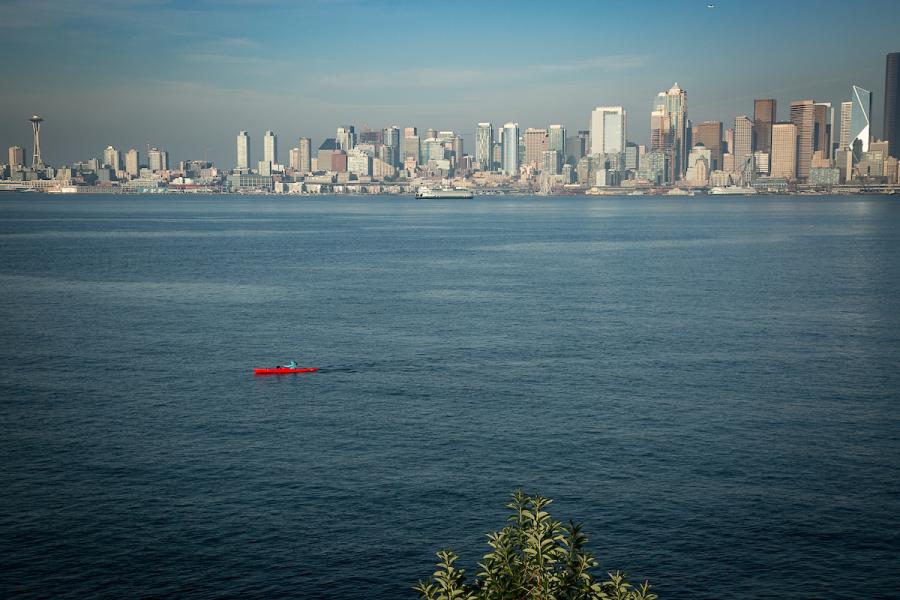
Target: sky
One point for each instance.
(187, 76)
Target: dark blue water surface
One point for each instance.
(710, 385)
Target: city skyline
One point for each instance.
(204, 85)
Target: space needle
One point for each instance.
(36, 126)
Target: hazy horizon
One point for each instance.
(187, 76)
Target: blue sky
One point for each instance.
(188, 75)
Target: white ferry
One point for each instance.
(425, 193)
(731, 190)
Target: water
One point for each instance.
(710, 385)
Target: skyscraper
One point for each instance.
(410, 144)
(709, 133)
(607, 130)
(846, 109)
(535, 144)
(763, 118)
(294, 159)
(892, 103)
(556, 142)
(822, 132)
(511, 149)
(243, 150)
(132, 162)
(16, 156)
(158, 160)
(111, 158)
(860, 110)
(668, 122)
(783, 162)
(743, 141)
(484, 142)
(345, 138)
(803, 115)
(270, 147)
(304, 161)
(391, 137)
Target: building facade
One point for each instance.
(891, 131)
(783, 161)
(243, 150)
(510, 151)
(803, 116)
(607, 133)
(763, 119)
(270, 147)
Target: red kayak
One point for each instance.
(282, 370)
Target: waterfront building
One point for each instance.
(584, 170)
(510, 150)
(860, 111)
(243, 150)
(270, 147)
(158, 160)
(112, 158)
(783, 162)
(709, 133)
(304, 161)
(743, 142)
(607, 130)
(497, 155)
(339, 161)
(535, 144)
(763, 118)
(484, 144)
(132, 162)
(16, 157)
(264, 167)
(892, 103)
(550, 162)
(668, 123)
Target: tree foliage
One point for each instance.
(532, 558)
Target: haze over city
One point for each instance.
(187, 75)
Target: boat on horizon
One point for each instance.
(426, 193)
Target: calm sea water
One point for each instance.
(710, 385)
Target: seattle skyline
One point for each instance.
(252, 72)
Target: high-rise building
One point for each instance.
(132, 162)
(16, 156)
(456, 144)
(345, 138)
(607, 130)
(763, 118)
(325, 154)
(294, 159)
(892, 103)
(823, 126)
(270, 147)
(243, 150)
(743, 141)
(846, 109)
(391, 139)
(411, 146)
(535, 144)
(111, 158)
(783, 161)
(803, 115)
(860, 111)
(709, 133)
(556, 142)
(668, 133)
(484, 142)
(304, 160)
(511, 149)
(158, 160)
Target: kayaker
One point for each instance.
(291, 365)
